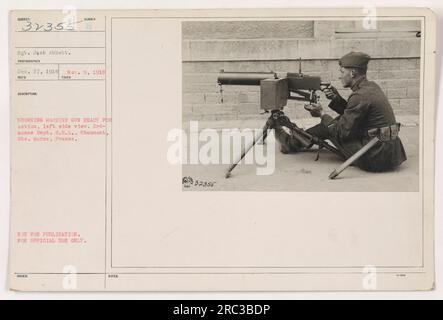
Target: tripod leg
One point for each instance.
(262, 136)
(262, 141)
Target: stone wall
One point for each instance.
(276, 46)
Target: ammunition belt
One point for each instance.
(385, 133)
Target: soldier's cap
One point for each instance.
(355, 60)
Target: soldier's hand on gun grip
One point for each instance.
(315, 109)
(331, 93)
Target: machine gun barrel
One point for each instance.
(244, 78)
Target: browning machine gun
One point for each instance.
(274, 95)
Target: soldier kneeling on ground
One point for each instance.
(366, 114)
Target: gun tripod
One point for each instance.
(302, 136)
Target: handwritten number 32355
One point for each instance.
(49, 26)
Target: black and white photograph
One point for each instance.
(301, 105)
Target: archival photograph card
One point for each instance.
(222, 150)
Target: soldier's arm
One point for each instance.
(348, 124)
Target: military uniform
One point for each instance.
(366, 111)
